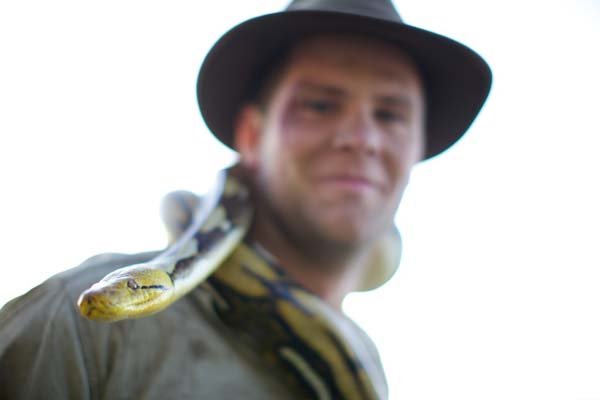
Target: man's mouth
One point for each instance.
(349, 182)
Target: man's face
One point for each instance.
(333, 149)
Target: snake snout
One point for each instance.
(95, 306)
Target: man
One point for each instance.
(329, 104)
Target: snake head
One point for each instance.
(130, 292)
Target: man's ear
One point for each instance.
(247, 134)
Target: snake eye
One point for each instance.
(132, 284)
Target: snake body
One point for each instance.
(144, 289)
(316, 351)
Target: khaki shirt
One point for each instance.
(47, 351)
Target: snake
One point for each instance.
(219, 222)
(314, 349)
(218, 225)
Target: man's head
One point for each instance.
(357, 101)
(332, 146)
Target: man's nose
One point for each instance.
(359, 133)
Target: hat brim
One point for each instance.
(457, 80)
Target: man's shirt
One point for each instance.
(47, 350)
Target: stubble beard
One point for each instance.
(309, 239)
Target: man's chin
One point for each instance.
(348, 231)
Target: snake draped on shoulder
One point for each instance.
(245, 330)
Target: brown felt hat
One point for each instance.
(457, 80)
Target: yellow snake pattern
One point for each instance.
(315, 349)
(290, 327)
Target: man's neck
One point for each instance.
(331, 276)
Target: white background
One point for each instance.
(498, 294)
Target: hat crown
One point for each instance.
(381, 9)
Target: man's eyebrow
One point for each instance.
(395, 100)
(323, 88)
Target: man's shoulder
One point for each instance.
(181, 350)
(56, 298)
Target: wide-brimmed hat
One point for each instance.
(457, 80)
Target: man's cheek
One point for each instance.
(299, 134)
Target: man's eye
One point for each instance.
(318, 106)
(389, 116)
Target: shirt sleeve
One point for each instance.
(47, 350)
(41, 354)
